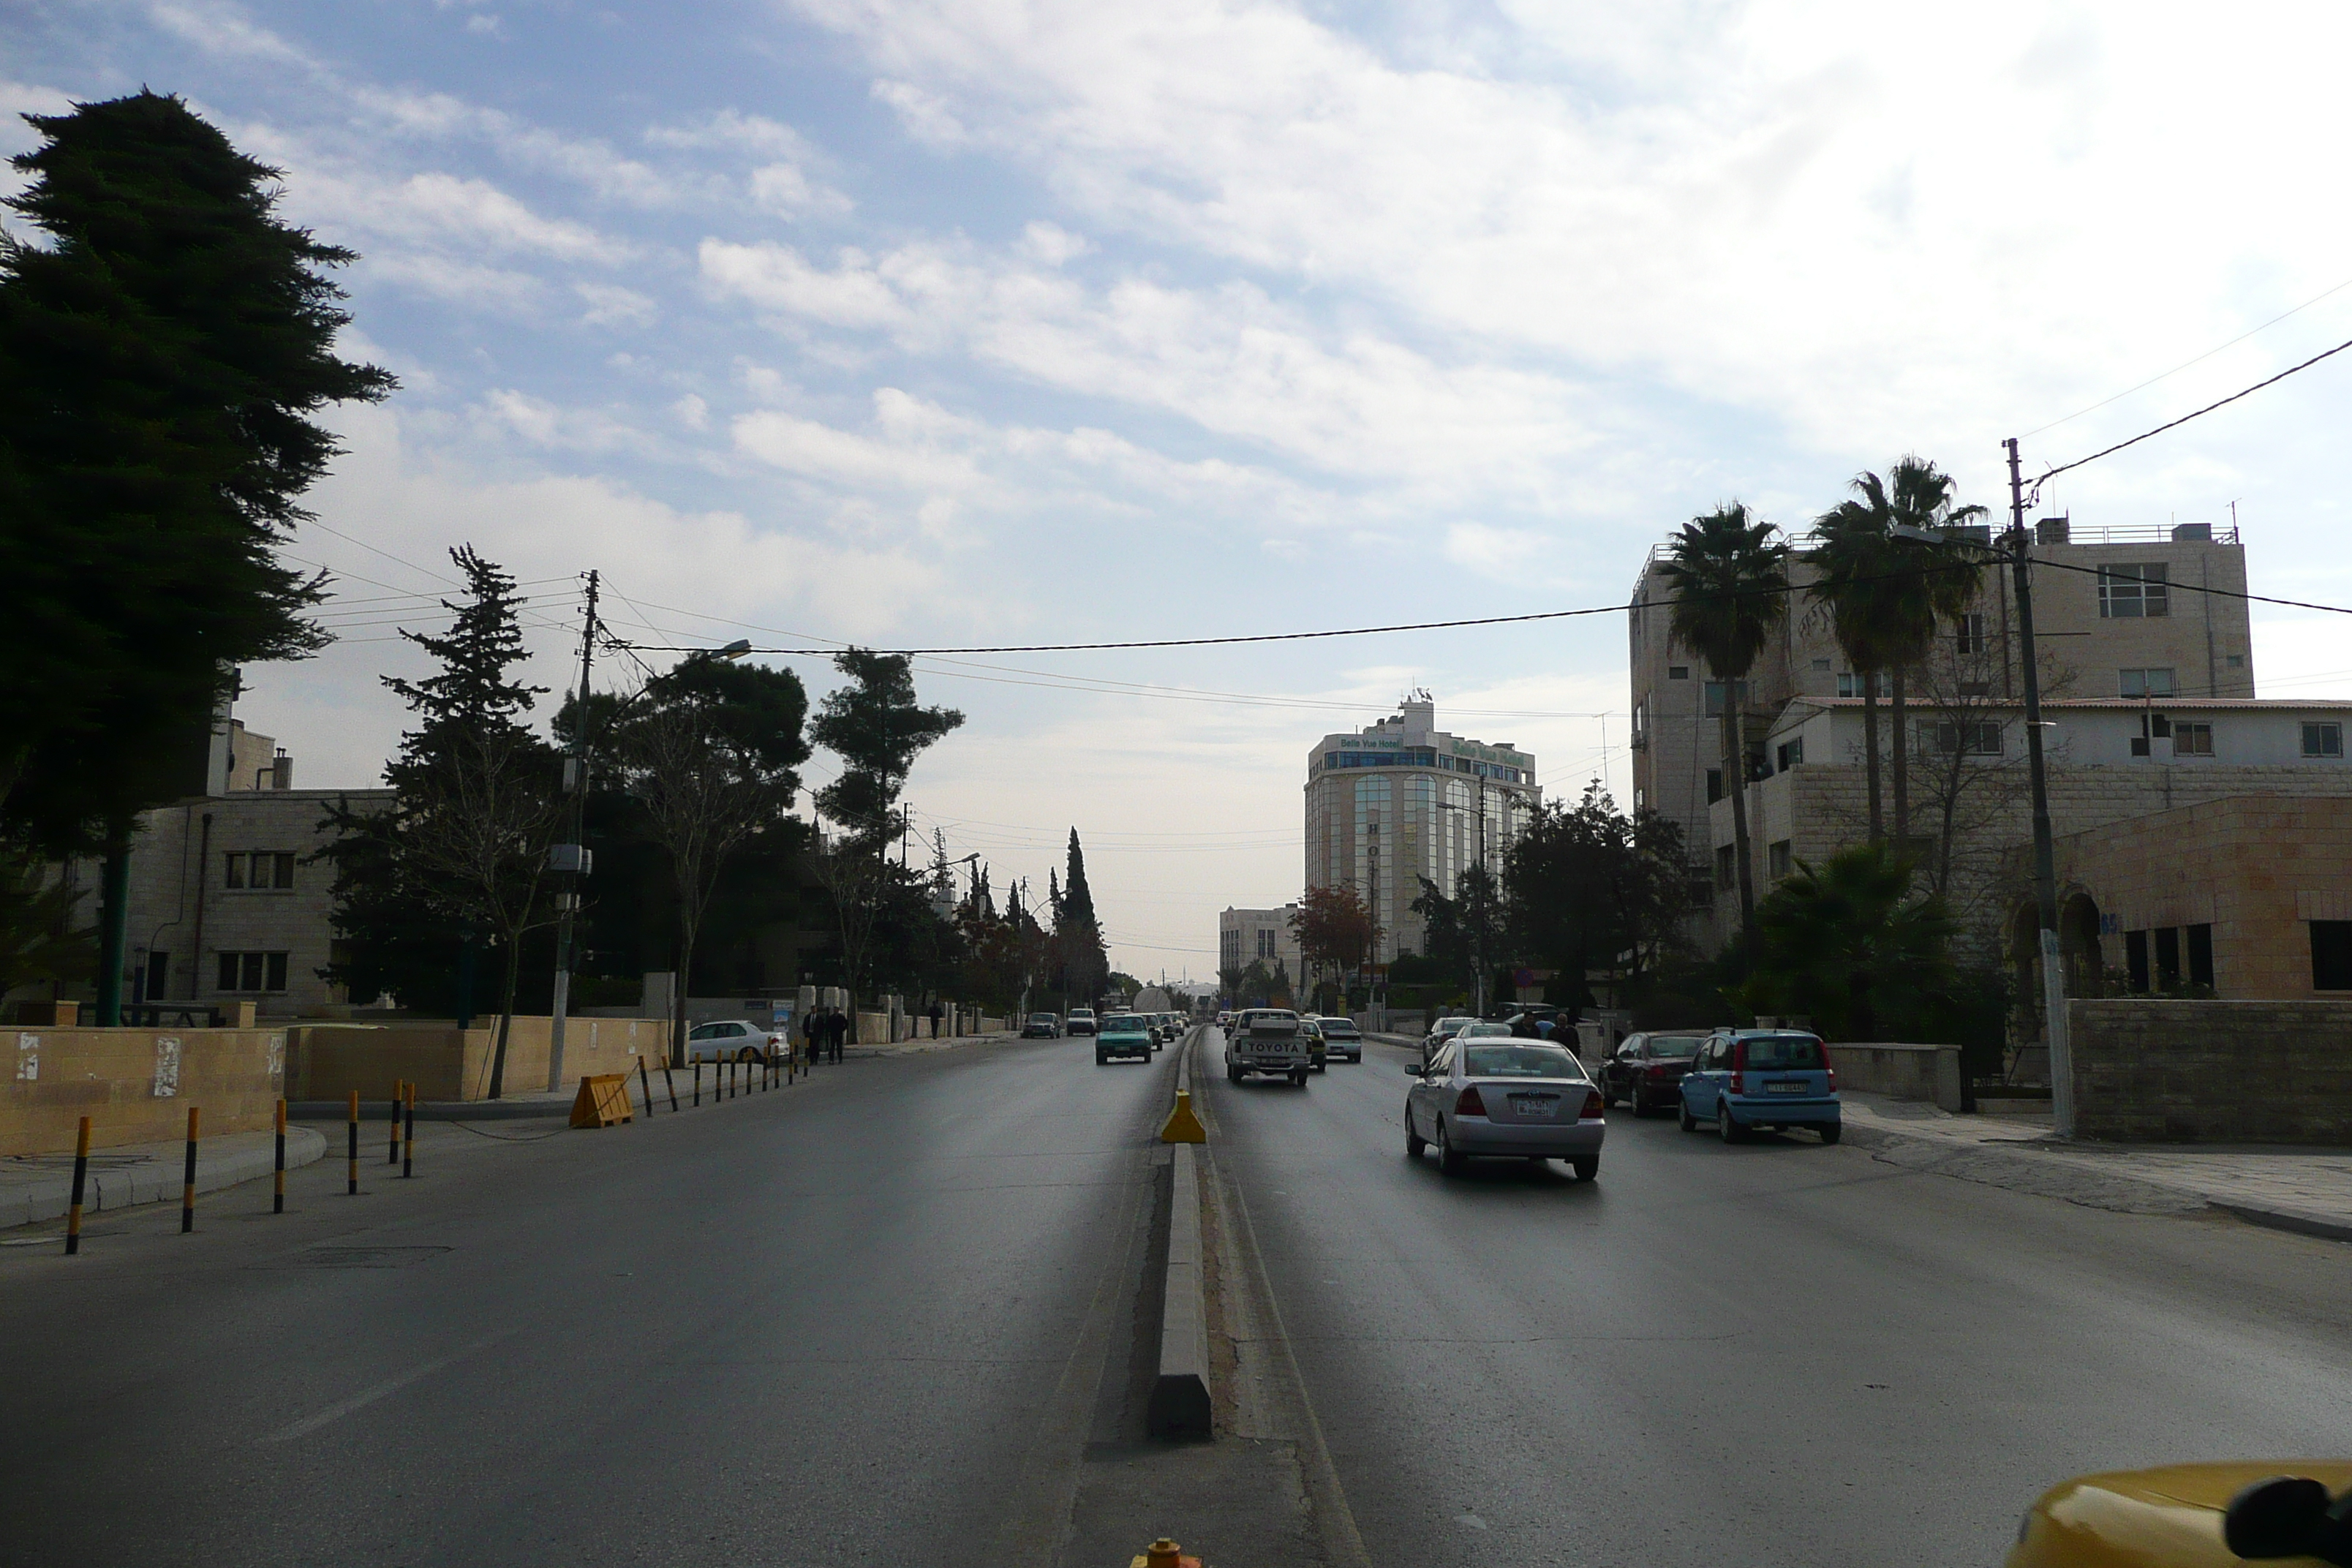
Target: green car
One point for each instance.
(1123, 1034)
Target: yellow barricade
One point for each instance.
(603, 1101)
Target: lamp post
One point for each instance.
(2019, 556)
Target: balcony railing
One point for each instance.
(2046, 531)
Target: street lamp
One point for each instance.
(2020, 557)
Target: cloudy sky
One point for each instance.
(985, 323)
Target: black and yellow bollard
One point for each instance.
(392, 1156)
(188, 1179)
(697, 1085)
(669, 1083)
(355, 1188)
(408, 1136)
(278, 1179)
(80, 1185)
(646, 1082)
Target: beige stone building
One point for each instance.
(1402, 800)
(2248, 895)
(2117, 622)
(1259, 936)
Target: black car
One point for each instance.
(1646, 1070)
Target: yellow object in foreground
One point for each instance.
(1182, 1126)
(2165, 1517)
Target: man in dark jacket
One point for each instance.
(837, 1031)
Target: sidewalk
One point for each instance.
(35, 1187)
(2288, 1188)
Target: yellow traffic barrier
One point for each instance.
(603, 1101)
(1164, 1553)
(1182, 1126)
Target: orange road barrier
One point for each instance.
(188, 1179)
(353, 1190)
(408, 1138)
(81, 1179)
(602, 1101)
(277, 1180)
(1164, 1553)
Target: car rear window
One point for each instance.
(1675, 1050)
(1489, 1030)
(1783, 1053)
(1527, 1060)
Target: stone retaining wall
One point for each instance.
(2224, 1072)
(136, 1084)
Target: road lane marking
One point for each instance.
(383, 1390)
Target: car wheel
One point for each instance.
(1830, 1131)
(1727, 1125)
(1233, 1073)
(1449, 1159)
(1322, 1067)
(1587, 1167)
(1683, 1118)
(1413, 1141)
(1100, 1058)
(1298, 1077)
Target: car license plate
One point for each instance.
(1787, 1088)
(1542, 1105)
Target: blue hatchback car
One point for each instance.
(1746, 1080)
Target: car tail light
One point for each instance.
(1653, 1072)
(1739, 1067)
(1832, 1071)
(1470, 1103)
(1593, 1107)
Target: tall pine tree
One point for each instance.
(1083, 959)
(160, 357)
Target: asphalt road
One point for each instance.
(1774, 1353)
(846, 1323)
(900, 1314)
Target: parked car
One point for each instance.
(1268, 1040)
(1082, 1022)
(1744, 1080)
(1439, 1033)
(1123, 1034)
(1495, 1095)
(732, 1039)
(1342, 1041)
(1644, 1069)
(1042, 1026)
(2210, 1515)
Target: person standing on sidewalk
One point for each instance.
(938, 1012)
(837, 1031)
(811, 1024)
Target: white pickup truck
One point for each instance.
(1267, 1040)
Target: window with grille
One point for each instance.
(252, 972)
(2132, 593)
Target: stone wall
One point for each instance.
(1901, 1071)
(328, 1061)
(136, 1084)
(2222, 1072)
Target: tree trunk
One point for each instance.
(506, 1013)
(1902, 770)
(1952, 785)
(1870, 750)
(1734, 773)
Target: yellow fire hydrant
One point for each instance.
(1164, 1553)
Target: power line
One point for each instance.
(2201, 359)
(2175, 424)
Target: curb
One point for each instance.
(2303, 1222)
(158, 1180)
(1178, 1405)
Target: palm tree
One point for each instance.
(1886, 593)
(1730, 578)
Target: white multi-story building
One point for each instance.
(1402, 800)
(1258, 936)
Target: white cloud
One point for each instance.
(1505, 554)
(787, 190)
(778, 278)
(225, 30)
(925, 115)
(1052, 244)
(611, 305)
(548, 425)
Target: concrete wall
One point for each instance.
(136, 1084)
(327, 1061)
(2232, 1072)
(1901, 1071)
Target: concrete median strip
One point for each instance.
(1180, 1405)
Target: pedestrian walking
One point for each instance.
(836, 1032)
(811, 1026)
(938, 1012)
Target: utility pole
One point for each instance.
(2045, 872)
(572, 860)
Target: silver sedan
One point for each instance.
(1521, 1098)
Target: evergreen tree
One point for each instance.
(474, 801)
(1083, 958)
(876, 727)
(160, 357)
